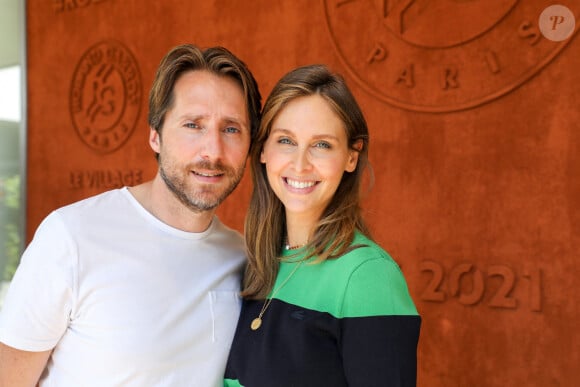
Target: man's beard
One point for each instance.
(196, 200)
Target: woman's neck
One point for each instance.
(299, 229)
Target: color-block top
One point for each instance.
(344, 322)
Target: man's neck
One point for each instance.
(156, 198)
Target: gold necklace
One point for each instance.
(294, 247)
(257, 322)
(288, 246)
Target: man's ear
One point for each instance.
(154, 140)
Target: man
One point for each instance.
(138, 286)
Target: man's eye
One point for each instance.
(192, 125)
(232, 129)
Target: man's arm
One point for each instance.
(21, 368)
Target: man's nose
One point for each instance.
(213, 147)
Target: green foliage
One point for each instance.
(12, 192)
(12, 247)
(12, 243)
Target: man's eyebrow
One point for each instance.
(242, 121)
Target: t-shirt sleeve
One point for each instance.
(39, 301)
(379, 327)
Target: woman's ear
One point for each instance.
(353, 156)
(262, 158)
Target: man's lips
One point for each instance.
(208, 174)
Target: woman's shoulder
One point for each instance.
(365, 281)
(364, 259)
(364, 250)
(375, 284)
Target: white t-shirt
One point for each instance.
(124, 299)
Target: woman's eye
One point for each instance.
(323, 145)
(192, 125)
(285, 140)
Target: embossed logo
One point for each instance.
(105, 96)
(439, 56)
(70, 5)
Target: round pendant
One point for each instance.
(256, 323)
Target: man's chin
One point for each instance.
(208, 203)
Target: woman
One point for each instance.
(324, 305)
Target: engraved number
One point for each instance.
(467, 284)
(502, 298)
(535, 277)
(478, 287)
(433, 292)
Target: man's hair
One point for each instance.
(218, 61)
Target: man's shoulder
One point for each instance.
(109, 204)
(221, 227)
(226, 234)
(104, 201)
(113, 195)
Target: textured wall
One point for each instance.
(475, 144)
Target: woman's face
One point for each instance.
(306, 155)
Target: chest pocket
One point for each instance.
(225, 309)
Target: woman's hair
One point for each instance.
(216, 60)
(265, 225)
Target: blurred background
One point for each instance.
(473, 112)
(12, 135)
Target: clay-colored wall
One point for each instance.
(475, 144)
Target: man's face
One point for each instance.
(205, 139)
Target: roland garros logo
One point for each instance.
(448, 55)
(105, 96)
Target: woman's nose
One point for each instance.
(302, 160)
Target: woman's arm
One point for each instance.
(379, 327)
